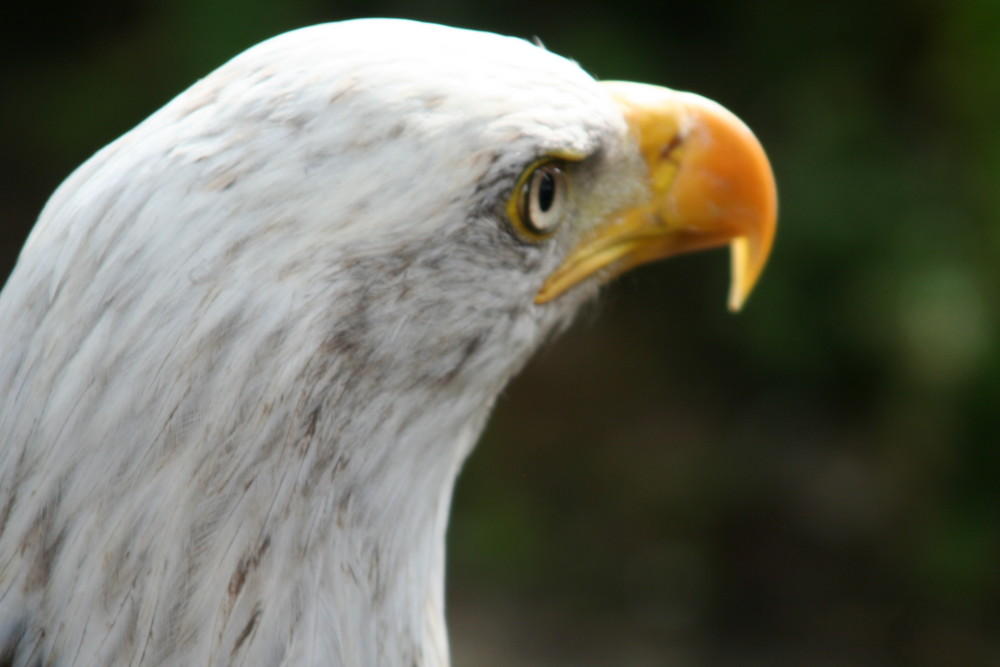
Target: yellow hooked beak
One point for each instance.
(710, 185)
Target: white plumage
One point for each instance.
(249, 344)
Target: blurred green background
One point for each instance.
(811, 482)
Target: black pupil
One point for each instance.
(546, 192)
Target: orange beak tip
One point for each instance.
(709, 184)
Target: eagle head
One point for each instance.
(248, 345)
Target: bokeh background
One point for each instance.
(811, 482)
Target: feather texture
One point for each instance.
(249, 344)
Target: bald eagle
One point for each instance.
(249, 344)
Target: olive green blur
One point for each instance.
(811, 482)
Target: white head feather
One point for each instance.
(249, 344)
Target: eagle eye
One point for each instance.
(538, 203)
